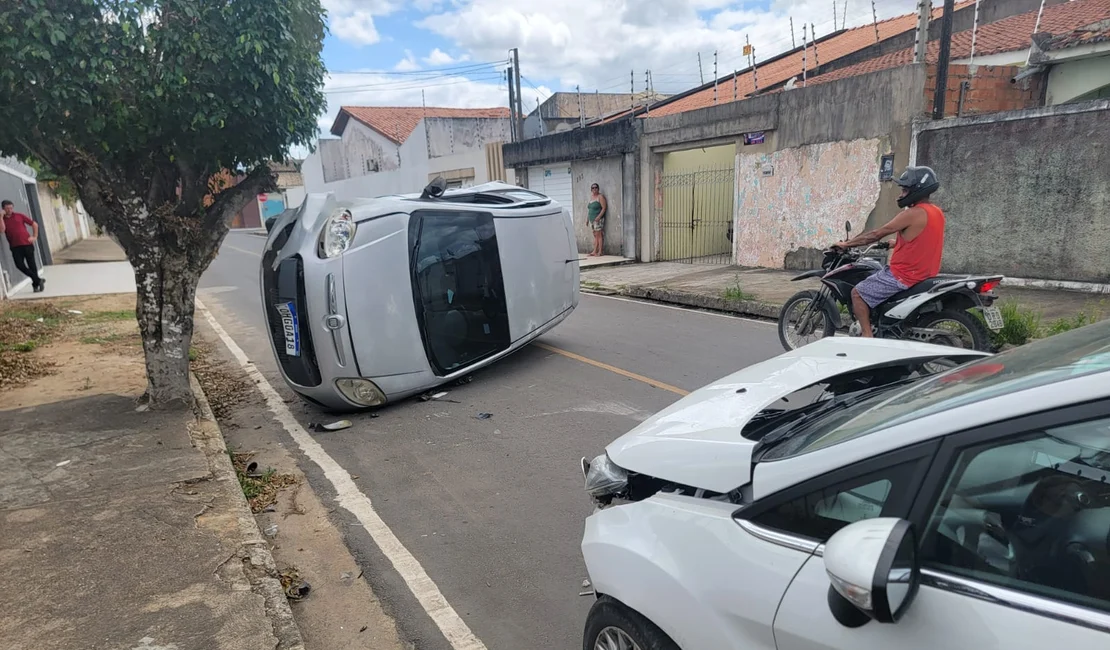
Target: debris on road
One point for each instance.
(63, 463)
(331, 426)
(462, 381)
(260, 489)
(295, 587)
(484, 416)
(271, 530)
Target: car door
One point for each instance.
(1014, 545)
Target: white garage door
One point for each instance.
(554, 181)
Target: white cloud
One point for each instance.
(353, 20)
(407, 64)
(438, 90)
(597, 43)
(438, 57)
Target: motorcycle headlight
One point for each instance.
(339, 232)
(604, 477)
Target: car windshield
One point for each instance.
(1072, 354)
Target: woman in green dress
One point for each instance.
(595, 217)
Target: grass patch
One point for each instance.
(194, 353)
(117, 315)
(591, 284)
(23, 328)
(736, 292)
(260, 489)
(101, 340)
(1019, 325)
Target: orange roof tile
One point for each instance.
(398, 122)
(1007, 35)
(782, 69)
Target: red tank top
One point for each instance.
(919, 259)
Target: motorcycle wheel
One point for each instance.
(977, 337)
(818, 320)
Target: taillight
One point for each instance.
(988, 286)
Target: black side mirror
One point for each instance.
(270, 223)
(435, 189)
(848, 227)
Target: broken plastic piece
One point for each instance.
(298, 591)
(271, 530)
(485, 416)
(63, 463)
(332, 426)
(74, 311)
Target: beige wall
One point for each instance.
(814, 189)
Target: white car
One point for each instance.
(843, 497)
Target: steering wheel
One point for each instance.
(1044, 551)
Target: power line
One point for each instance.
(446, 81)
(450, 69)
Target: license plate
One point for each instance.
(993, 316)
(290, 327)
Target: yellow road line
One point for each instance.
(620, 371)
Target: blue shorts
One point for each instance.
(879, 287)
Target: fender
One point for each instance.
(808, 274)
(953, 292)
(697, 591)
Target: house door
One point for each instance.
(553, 181)
(697, 214)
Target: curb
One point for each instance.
(254, 553)
(691, 299)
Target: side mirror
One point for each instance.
(848, 227)
(872, 564)
(270, 223)
(435, 189)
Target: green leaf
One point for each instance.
(277, 78)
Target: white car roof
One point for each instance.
(500, 196)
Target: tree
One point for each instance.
(141, 103)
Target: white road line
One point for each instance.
(688, 310)
(448, 621)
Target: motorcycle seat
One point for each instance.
(920, 287)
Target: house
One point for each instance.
(769, 178)
(564, 111)
(380, 150)
(62, 219)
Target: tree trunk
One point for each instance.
(166, 287)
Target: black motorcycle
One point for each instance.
(938, 310)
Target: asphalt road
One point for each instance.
(493, 509)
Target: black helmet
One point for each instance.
(920, 181)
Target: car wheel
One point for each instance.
(612, 626)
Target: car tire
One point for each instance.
(610, 620)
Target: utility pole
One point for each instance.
(942, 60)
(701, 73)
(920, 45)
(512, 107)
(519, 101)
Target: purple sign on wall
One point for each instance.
(754, 138)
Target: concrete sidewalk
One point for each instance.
(93, 249)
(762, 292)
(92, 266)
(121, 528)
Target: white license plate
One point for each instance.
(993, 316)
(290, 327)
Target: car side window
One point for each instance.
(820, 513)
(1030, 513)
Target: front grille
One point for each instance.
(281, 285)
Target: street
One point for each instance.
(492, 509)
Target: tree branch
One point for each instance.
(232, 200)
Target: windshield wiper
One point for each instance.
(790, 429)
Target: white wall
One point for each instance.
(1067, 81)
(410, 176)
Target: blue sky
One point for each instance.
(386, 52)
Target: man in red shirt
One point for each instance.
(917, 250)
(22, 243)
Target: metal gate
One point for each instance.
(697, 215)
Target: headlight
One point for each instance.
(339, 232)
(603, 477)
(361, 391)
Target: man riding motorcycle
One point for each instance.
(917, 250)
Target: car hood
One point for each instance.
(696, 441)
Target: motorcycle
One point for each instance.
(939, 310)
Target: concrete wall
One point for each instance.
(804, 203)
(330, 160)
(1027, 194)
(367, 151)
(452, 136)
(608, 174)
(64, 225)
(594, 142)
(877, 107)
(1073, 79)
